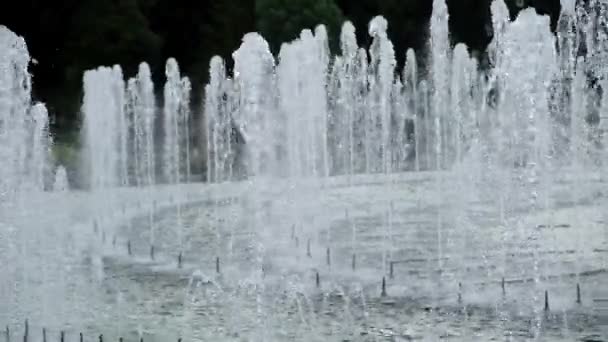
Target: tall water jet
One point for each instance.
(319, 108)
(463, 110)
(105, 135)
(412, 103)
(494, 131)
(142, 105)
(104, 127)
(255, 119)
(440, 73)
(290, 85)
(500, 22)
(439, 119)
(400, 121)
(118, 95)
(527, 121)
(141, 110)
(564, 98)
(24, 138)
(426, 124)
(219, 123)
(518, 109)
(176, 158)
(37, 162)
(259, 125)
(462, 104)
(301, 76)
(186, 89)
(362, 138)
(24, 147)
(345, 99)
(381, 85)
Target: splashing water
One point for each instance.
(61, 183)
(23, 128)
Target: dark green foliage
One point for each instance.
(544, 7)
(408, 22)
(282, 20)
(106, 33)
(109, 32)
(470, 22)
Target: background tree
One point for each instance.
(470, 23)
(228, 23)
(108, 33)
(408, 23)
(282, 20)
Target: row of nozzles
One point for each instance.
(61, 336)
(383, 293)
(180, 255)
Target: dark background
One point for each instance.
(66, 37)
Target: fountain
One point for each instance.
(24, 126)
(463, 203)
(141, 109)
(176, 163)
(105, 128)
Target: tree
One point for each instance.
(44, 26)
(360, 13)
(408, 22)
(228, 22)
(470, 23)
(409, 25)
(544, 7)
(110, 32)
(281, 21)
(99, 33)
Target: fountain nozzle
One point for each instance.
(383, 293)
(459, 293)
(308, 253)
